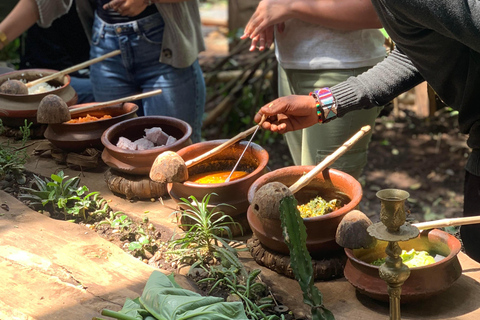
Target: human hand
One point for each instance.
(264, 40)
(267, 14)
(128, 8)
(288, 113)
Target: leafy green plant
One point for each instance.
(209, 228)
(13, 159)
(232, 276)
(117, 220)
(143, 243)
(60, 195)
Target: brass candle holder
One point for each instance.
(393, 229)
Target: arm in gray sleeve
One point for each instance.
(49, 10)
(377, 86)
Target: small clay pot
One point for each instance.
(234, 192)
(422, 283)
(14, 108)
(330, 184)
(76, 137)
(139, 162)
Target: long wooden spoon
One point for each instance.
(53, 109)
(170, 167)
(18, 87)
(266, 200)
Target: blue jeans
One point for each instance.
(138, 69)
(83, 88)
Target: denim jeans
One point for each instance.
(138, 70)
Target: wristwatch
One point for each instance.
(326, 105)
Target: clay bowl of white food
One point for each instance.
(131, 146)
(15, 108)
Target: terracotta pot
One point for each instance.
(15, 108)
(76, 137)
(234, 192)
(423, 282)
(330, 184)
(139, 162)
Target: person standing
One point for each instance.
(437, 41)
(318, 44)
(159, 40)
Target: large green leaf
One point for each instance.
(166, 300)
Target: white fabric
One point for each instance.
(306, 46)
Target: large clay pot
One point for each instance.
(140, 162)
(15, 108)
(329, 184)
(76, 137)
(234, 192)
(422, 283)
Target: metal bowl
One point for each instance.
(76, 137)
(422, 283)
(140, 162)
(14, 108)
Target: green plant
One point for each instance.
(13, 159)
(232, 276)
(65, 196)
(209, 228)
(142, 244)
(295, 235)
(117, 220)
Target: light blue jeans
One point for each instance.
(138, 70)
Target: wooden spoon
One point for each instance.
(53, 109)
(18, 87)
(170, 167)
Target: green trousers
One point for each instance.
(311, 145)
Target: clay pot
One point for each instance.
(139, 162)
(234, 192)
(330, 184)
(15, 108)
(423, 282)
(76, 137)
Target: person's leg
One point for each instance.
(112, 78)
(83, 88)
(293, 138)
(470, 234)
(183, 89)
(319, 141)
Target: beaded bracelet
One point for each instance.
(325, 104)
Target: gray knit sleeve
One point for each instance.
(377, 86)
(50, 10)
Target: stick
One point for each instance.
(72, 69)
(304, 180)
(447, 223)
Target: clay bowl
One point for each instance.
(76, 137)
(234, 192)
(423, 282)
(139, 162)
(15, 108)
(330, 184)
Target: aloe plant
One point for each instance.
(295, 235)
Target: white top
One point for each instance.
(307, 46)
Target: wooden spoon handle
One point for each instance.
(217, 149)
(304, 180)
(447, 222)
(74, 68)
(114, 102)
